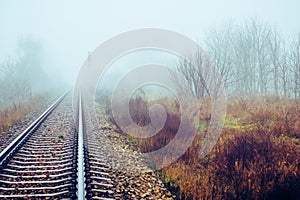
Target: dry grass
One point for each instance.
(16, 110)
(257, 156)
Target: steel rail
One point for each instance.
(13, 146)
(80, 160)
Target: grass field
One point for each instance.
(16, 110)
(256, 157)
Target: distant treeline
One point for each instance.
(252, 59)
(19, 76)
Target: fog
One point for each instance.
(67, 30)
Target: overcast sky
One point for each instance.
(68, 30)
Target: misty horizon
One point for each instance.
(68, 31)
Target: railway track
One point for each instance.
(52, 159)
(57, 157)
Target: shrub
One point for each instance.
(257, 156)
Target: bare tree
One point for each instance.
(12, 88)
(243, 68)
(18, 76)
(252, 59)
(197, 71)
(7, 69)
(284, 73)
(30, 62)
(275, 43)
(259, 34)
(220, 46)
(295, 65)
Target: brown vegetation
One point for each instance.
(15, 111)
(257, 156)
